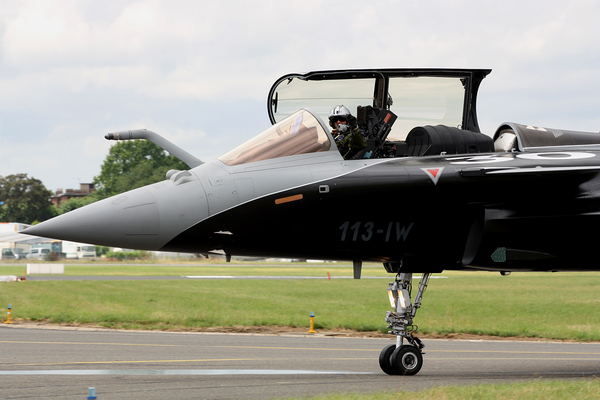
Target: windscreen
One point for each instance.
(300, 133)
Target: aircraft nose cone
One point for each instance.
(130, 220)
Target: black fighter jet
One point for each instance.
(429, 192)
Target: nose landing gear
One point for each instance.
(400, 358)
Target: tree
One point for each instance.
(24, 199)
(132, 164)
(128, 165)
(77, 202)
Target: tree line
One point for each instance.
(128, 165)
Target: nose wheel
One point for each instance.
(400, 358)
(385, 359)
(406, 360)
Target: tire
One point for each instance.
(385, 359)
(406, 360)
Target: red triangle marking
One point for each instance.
(433, 172)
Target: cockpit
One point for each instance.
(388, 104)
(400, 112)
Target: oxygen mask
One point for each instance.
(342, 128)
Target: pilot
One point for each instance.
(346, 133)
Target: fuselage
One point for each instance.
(426, 211)
(503, 211)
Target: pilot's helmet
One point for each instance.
(338, 112)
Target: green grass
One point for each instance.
(190, 303)
(538, 390)
(207, 268)
(545, 305)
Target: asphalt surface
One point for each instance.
(63, 364)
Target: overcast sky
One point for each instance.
(198, 72)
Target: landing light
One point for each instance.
(393, 295)
(399, 298)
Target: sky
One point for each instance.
(198, 72)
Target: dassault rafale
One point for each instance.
(424, 192)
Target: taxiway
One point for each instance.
(64, 363)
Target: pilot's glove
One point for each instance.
(352, 122)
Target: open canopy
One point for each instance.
(417, 96)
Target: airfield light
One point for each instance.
(8, 312)
(312, 323)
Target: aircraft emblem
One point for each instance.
(433, 173)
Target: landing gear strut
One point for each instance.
(400, 358)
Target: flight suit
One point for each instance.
(349, 143)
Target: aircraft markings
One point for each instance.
(354, 232)
(433, 173)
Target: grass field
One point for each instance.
(544, 305)
(208, 268)
(539, 390)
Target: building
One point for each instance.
(63, 195)
(13, 245)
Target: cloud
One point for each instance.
(200, 71)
